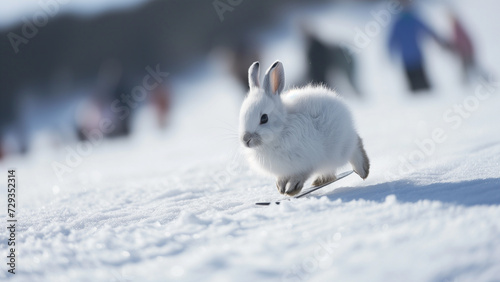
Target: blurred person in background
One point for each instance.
(406, 39)
(87, 117)
(161, 100)
(323, 58)
(244, 53)
(462, 46)
(106, 102)
(317, 59)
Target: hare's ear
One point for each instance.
(274, 80)
(253, 75)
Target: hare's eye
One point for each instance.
(263, 119)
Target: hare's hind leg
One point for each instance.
(359, 160)
(322, 179)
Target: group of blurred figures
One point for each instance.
(406, 38)
(105, 100)
(117, 99)
(108, 108)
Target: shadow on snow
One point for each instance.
(467, 193)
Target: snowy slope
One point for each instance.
(179, 206)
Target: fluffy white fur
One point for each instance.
(309, 131)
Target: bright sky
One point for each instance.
(13, 11)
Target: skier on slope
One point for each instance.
(405, 39)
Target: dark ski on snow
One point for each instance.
(310, 190)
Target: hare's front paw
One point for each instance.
(290, 185)
(281, 184)
(294, 186)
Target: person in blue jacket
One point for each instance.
(405, 38)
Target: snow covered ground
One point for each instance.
(179, 206)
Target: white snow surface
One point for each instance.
(179, 205)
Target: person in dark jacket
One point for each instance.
(324, 57)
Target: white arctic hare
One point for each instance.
(298, 133)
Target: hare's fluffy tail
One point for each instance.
(359, 160)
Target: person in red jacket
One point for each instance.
(462, 45)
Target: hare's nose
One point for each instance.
(247, 137)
